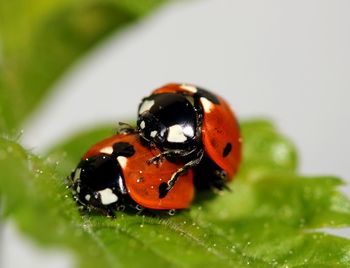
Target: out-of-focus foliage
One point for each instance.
(40, 39)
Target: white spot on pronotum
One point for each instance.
(77, 174)
(189, 88)
(153, 133)
(107, 150)
(87, 197)
(122, 161)
(176, 134)
(142, 124)
(188, 130)
(207, 105)
(107, 196)
(146, 105)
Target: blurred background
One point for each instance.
(284, 60)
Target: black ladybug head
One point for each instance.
(168, 120)
(98, 182)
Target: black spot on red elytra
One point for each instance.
(227, 149)
(123, 149)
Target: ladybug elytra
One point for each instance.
(191, 123)
(115, 173)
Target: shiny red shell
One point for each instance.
(219, 128)
(142, 180)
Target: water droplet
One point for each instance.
(139, 180)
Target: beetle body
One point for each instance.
(115, 173)
(191, 123)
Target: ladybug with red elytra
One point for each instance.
(188, 122)
(186, 138)
(115, 174)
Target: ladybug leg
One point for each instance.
(220, 183)
(110, 213)
(140, 209)
(107, 211)
(160, 157)
(125, 128)
(165, 187)
(156, 159)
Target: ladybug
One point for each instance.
(190, 123)
(115, 173)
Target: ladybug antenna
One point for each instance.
(125, 128)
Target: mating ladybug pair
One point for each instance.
(186, 138)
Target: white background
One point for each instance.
(285, 60)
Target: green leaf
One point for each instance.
(39, 40)
(272, 217)
(266, 150)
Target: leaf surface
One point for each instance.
(270, 219)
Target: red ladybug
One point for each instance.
(190, 123)
(114, 173)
